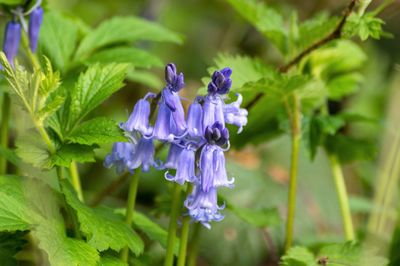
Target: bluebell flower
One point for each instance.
(220, 81)
(139, 118)
(12, 38)
(185, 170)
(220, 176)
(217, 134)
(35, 21)
(121, 157)
(144, 155)
(195, 120)
(162, 128)
(173, 156)
(203, 206)
(235, 115)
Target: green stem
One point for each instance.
(176, 200)
(31, 56)
(342, 196)
(184, 234)
(45, 136)
(76, 183)
(194, 245)
(296, 136)
(4, 127)
(133, 187)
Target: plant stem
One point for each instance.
(176, 199)
(342, 196)
(31, 56)
(76, 183)
(4, 127)
(133, 187)
(184, 234)
(194, 245)
(296, 136)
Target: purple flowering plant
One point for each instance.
(83, 181)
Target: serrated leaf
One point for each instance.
(57, 39)
(108, 260)
(260, 218)
(72, 152)
(102, 228)
(350, 253)
(96, 131)
(131, 55)
(266, 19)
(298, 256)
(31, 149)
(92, 88)
(350, 149)
(51, 107)
(124, 29)
(10, 155)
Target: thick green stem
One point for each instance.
(296, 136)
(184, 234)
(342, 196)
(76, 182)
(133, 187)
(194, 245)
(176, 200)
(4, 127)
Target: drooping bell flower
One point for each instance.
(185, 171)
(195, 120)
(220, 176)
(144, 155)
(139, 118)
(121, 157)
(162, 127)
(12, 38)
(203, 206)
(173, 156)
(35, 21)
(235, 115)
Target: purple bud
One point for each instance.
(173, 102)
(216, 134)
(220, 81)
(195, 120)
(12, 37)
(35, 21)
(227, 72)
(174, 81)
(170, 73)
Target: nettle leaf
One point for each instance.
(72, 152)
(10, 155)
(260, 218)
(102, 227)
(266, 19)
(108, 260)
(350, 149)
(93, 87)
(350, 253)
(298, 256)
(131, 55)
(124, 29)
(96, 131)
(364, 26)
(31, 149)
(57, 39)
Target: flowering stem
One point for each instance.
(296, 136)
(184, 234)
(133, 186)
(31, 56)
(169, 257)
(76, 183)
(342, 196)
(194, 245)
(5, 117)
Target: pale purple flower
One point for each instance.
(144, 155)
(185, 171)
(162, 127)
(203, 206)
(12, 38)
(195, 120)
(173, 156)
(121, 157)
(35, 21)
(235, 115)
(173, 102)
(220, 177)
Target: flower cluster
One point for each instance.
(12, 33)
(196, 142)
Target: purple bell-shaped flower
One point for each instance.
(173, 156)
(121, 157)
(185, 171)
(35, 21)
(235, 115)
(195, 120)
(144, 155)
(139, 118)
(12, 38)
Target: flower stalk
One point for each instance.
(76, 183)
(4, 131)
(184, 234)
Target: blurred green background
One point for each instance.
(211, 27)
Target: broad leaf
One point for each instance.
(108, 260)
(93, 87)
(102, 228)
(146, 78)
(72, 152)
(298, 256)
(31, 149)
(259, 218)
(124, 29)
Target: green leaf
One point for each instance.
(72, 152)
(102, 228)
(350, 149)
(108, 260)
(10, 244)
(31, 149)
(131, 55)
(58, 37)
(364, 26)
(344, 85)
(62, 250)
(259, 218)
(96, 131)
(93, 87)
(350, 253)
(122, 30)
(51, 107)
(266, 19)
(12, 2)
(298, 256)
(10, 156)
(146, 78)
